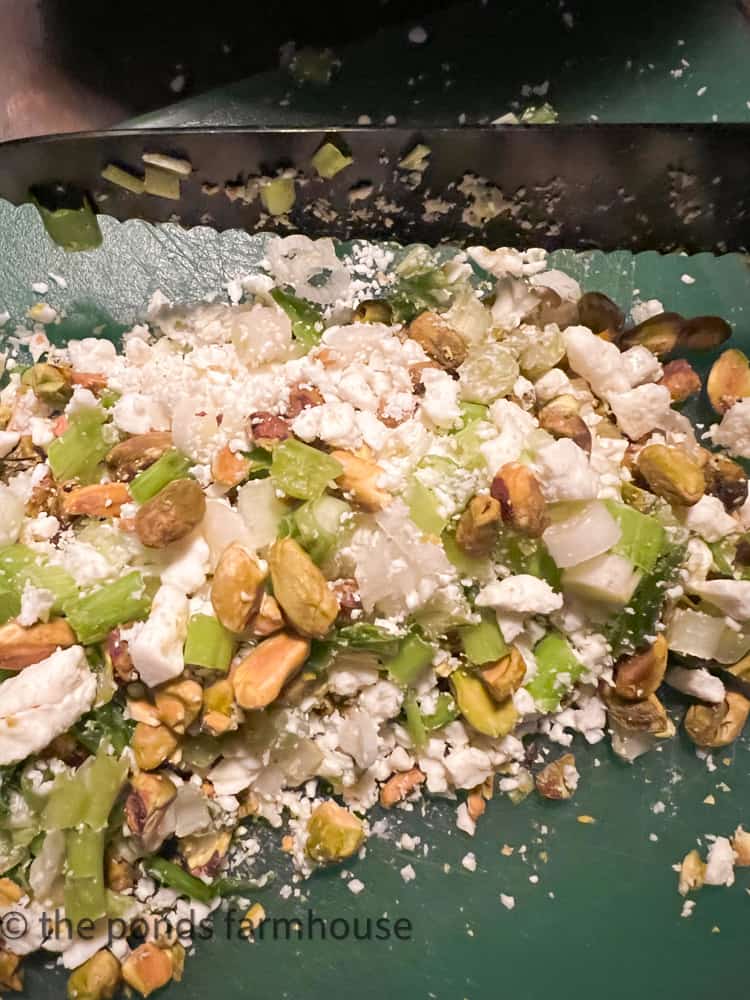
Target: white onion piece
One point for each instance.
(221, 526)
(11, 516)
(261, 510)
(582, 536)
(693, 633)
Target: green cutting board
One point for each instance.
(596, 911)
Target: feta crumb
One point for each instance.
(407, 873)
(355, 886)
(469, 862)
(508, 901)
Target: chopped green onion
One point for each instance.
(107, 725)
(278, 196)
(370, 639)
(627, 631)
(175, 877)
(209, 644)
(10, 604)
(169, 466)
(84, 893)
(414, 723)
(121, 178)
(94, 616)
(307, 321)
(483, 642)
(161, 183)
(642, 537)
(77, 453)
(329, 160)
(424, 508)
(446, 711)
(471, 412)
(71, 224)
(415, 654)
(557, 671)
(301, 471)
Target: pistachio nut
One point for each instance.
(178, 703)
(258, 678)
(521, 500)
(229, 468)
(659, 333)
(559, 779)
(118, 651)
(479, 709)
(11, 973)
(205, 853)
(152, 745)
(49, 383)
(266, 430)
(237, 587)
(645, 716)
(640, 674)
(119, 873)
(399, 786)
(741, 847)
(302, 397)
(717, 725)
(504, 678)
(20, 647)
(598, 312)
(98, 500)
(145, 805)
(728, 380)
(347, 594)
(360, 480)
(561, 418)
(682, 380)
(671, 474)
(45, 498)
(137, 453)
(438, 339)
(148, 968)
(267, 619)
(374, 311)
(302, 591)
(726, 480)
(692, 873)
(98, 978)
(477, 528)
(333, 833)
(704, 333)
(171, 514)
(219, 709)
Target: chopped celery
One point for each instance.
(104, 724)
(329, 160)
(10, 602)
(20, 564)
(122, 178)
(414, 723)
(209, 644)
(424, 287)
(446, 711)
(415, 654)
(369, 638)
(473, 566)
(171, 465)
(69, 219)
(77, 452)
(424, 509)
(557, 671)
(467, 443)
(301, 471)
(642, 537)
(278, 196)
(527, 555)
(87, 796)
(175, 877)
(94, 616)
(307, 321)
(483, 642)
(628, 630)
(84, 893)
(316, 524)
(161, 183)
(471, 412)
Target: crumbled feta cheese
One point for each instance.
(407, 873)
(641, 410)
(720, 863)
(732, 597)
(641, 365)
(564, 472)
(733, 433)
(440, 400)
(521, 594)
(697, 682)
(708, 519)
(508, 901)
(157, 649)
(553, 383)
(36, 604)
(469, 862)
(596, 360)
(136, 413)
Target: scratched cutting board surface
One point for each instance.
(596, 907)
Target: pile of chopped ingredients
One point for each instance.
(292, 556)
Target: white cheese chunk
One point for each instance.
(564, 472)
(157, 649)
(720, 863)
(708, 519)
(522, 594)
(733, 433)
(697, 682)
(136, 413)
(440, 400)
(641, 365)
(730, 596)
(641, 410)
(43, 701)
(596, 360)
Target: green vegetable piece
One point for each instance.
(479, 709)
(557, 671)
(627, 631)
(424, 508)
(369, 638)
(86, 796)
(161, 183)
(301, 471)
(77, 453)
(175, 877)
(329, 160)
(50, 384)
(415, 654)
(333, 833)
(446, 711)
(209, 644)
(307, 320)
(278, 196)
(416, 158)
(527, 555)
(94, 616)
(544, 114)
(642, 537)
(471, 412)
(122, 178)
(260, 463)
(10, 602)
(84, 893)
(107, 725)
(316, 524)
(414, 722)
(483, 642)
(170, 466)
(72, 224)
(20, 564)
(470, 566)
